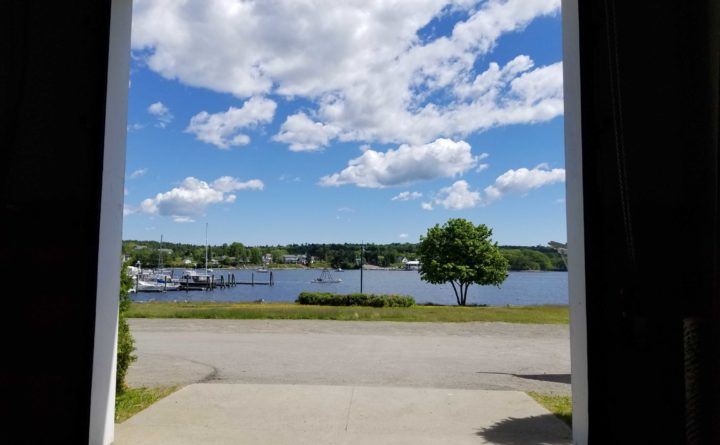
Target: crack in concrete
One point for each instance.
(347, 418)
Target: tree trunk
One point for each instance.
(457, 295)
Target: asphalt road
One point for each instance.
(487, 356)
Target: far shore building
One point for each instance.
(298, 259)
(412, 265)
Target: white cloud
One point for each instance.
(230, 184)
(183, 219)
(193, 196)
(223, 129)
(162, 113)
(362, 65)
(407, 196)
(403, 235)
(137, 173)
(303, 134)
(346, 210)
(405, 165)
(135, 127)
(127, 210)
(458, 196)
(522, 180)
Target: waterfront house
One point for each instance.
(412, 265)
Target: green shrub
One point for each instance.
(329, 299)
(126, 343)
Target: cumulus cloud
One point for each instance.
(162, 113)
(363, 66)
(407, 196)
(223, 129)
(522, 180)
(405, 165)
(303, 134)
(457, 197)
(193, 196)
(403, 235)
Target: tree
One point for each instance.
(462, 254)
(255, 256)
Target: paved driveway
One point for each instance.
(482, 356)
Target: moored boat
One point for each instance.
(326, 277)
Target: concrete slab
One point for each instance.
(352, 415)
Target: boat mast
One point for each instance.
(206, 248)
(160, 263)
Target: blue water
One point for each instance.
(520, 288)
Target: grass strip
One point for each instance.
(561, 406)
(134, 400)
(546, 314)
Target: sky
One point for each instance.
(283, 121)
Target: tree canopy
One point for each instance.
(462, 254)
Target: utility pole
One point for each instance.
(362, 254)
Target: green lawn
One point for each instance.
(548, 314)
(134, 400)
(561, 406)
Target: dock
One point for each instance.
(222, 282)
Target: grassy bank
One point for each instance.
(561, 406)
(134, 400)
(548, 314)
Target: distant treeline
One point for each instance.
(346, 256)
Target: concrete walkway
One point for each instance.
(333, 382)
(214, 413)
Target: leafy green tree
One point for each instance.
(255, 256)
(126, 343)
(462, 254)
(277, 255)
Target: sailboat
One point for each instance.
(326, 277)
(194, 280)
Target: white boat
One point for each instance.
(149, 281)
(191, 279)
(326, 277)
(262, 270)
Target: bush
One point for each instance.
(328, 299)
(126, 343)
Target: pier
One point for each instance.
(222, 282)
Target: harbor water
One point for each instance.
(520, 288)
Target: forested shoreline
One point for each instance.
(346, 256)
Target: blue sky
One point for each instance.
(316, 122)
